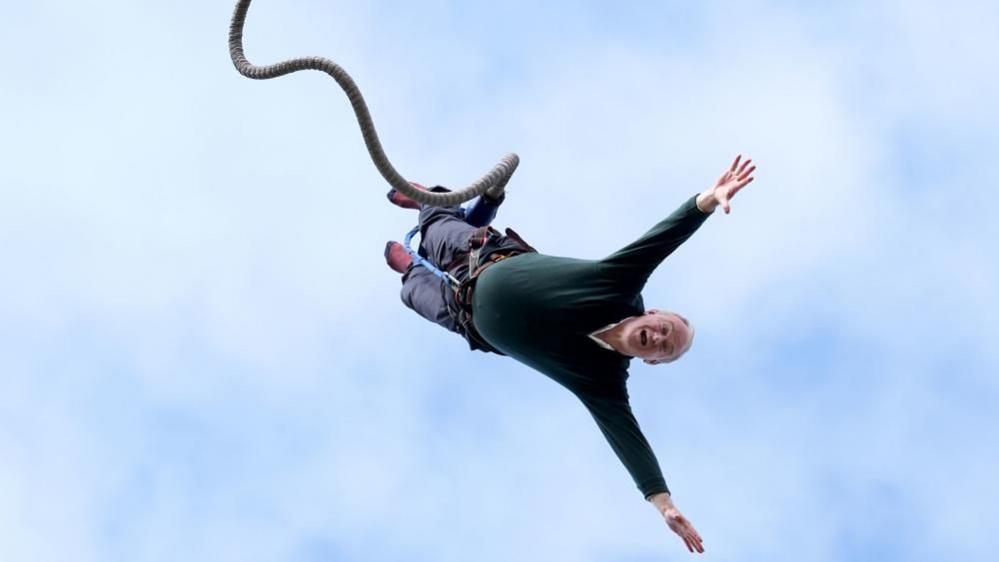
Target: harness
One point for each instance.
(477, 263)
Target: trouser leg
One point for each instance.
(422, 291)
(483, 210)
(443, 234)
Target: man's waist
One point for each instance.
(489, 250)
(468, 277)
(497, 256)
(486, 247)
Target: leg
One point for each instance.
(443, 234)
(483, 211)
(445, 231)
(422, 291)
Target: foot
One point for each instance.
(397, 257)
(400, 200)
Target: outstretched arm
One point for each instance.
(728, 184)
(613, 415)
(616, 421)
(634, 263)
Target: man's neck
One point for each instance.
(614, 336)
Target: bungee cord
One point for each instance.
(493, 183)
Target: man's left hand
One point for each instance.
(677, 523)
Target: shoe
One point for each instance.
(397, 257)
(400, 200)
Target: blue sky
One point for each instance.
(204, 357)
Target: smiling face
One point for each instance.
(657, 337)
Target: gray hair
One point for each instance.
(690, 340)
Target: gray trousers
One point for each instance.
(443, 234)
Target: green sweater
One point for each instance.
(539, 310)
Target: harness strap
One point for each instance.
(463, 299)
(512, 234)
(445, 276)
(475, 244)
(463, 290)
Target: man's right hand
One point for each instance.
(728, 184)
(677, 522)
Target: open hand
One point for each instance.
(685, 529)
(679, 524)
(728, 184)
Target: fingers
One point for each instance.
(740, 185)
(737, 177)
(692, 540)
(695, 543)
(742, 180)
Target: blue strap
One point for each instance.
(419, 260)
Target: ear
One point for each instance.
(650, 361)
(652, 311)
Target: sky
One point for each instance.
(204, 357)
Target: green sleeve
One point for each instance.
(636, 261)
(617, 423)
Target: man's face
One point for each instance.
(657, 337)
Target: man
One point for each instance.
(577, 321)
